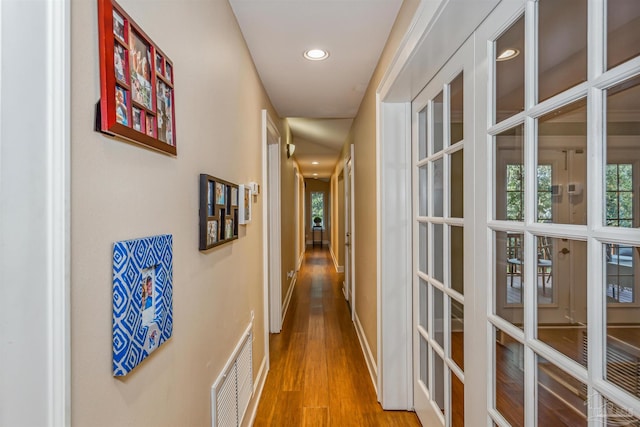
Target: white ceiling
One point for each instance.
(278, 32)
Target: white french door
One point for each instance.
(562, 236)
(443, 279)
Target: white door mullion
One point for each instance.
(529, 292)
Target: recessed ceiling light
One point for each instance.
(315, 174)
(508, 54)
(315, 163)
(316, 54)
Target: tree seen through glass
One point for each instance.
(515, 193)
(317, 208)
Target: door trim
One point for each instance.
(271, 226)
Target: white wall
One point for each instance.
(33, 150)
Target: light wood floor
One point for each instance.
(318, 375)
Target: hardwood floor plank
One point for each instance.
(316, 379)
(318, 375)
(315, 417)
(288, 409)
(293, 366)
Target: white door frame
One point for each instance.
(271, 225)
(437, 30)
(349, 203)
(34, 183)
(296, 203)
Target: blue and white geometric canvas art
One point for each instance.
(142, 299)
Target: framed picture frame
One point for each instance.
(142, 299)
(244, 204)
(218, 212)
(136, 83)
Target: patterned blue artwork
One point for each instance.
(142, 299)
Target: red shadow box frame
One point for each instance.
(136, 83)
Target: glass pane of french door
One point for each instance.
(565, 223)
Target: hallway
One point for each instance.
(318, 375)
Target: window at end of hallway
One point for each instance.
(317, 209)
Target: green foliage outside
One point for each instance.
(317, 206)
(515, 193)
(619, 186)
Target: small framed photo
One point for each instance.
(168, 72)
(220, 193)
(212, 232)
(140, 67)
(228, 227)
(218, 222)
(244, 207)
(165, 112)
(122, 106)
(118, 27)
(150, 125)
(120, 63)
(211, 204)
(138, 119)
(134, 72)
(234, 196)
(142, 299)
(159, 64)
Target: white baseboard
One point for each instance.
(261, 379)
(368, 355)
(300, 259)
(287, 299)
(339, 268)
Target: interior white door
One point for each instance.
(443, 279)
(348, 227)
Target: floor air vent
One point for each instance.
(231, 393)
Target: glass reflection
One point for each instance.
(456, 90)
(614, 415)
(456, 183)
(423, 188)
(438, 253)
(438, 123)
(423, 232)
(509, 378)
(562, 279)
(424, 362)
(623, 154)
(509, 81)
(424, 303)
(623, 31)
(438, 316)
(438, 380)
(457, 259)
(457, 333)
(509, 275)
(438, 188)
(562, 46)
(623, 326)
(422, 133)
(562, 399)
(509, 175)
(457, 401)
(562, 165)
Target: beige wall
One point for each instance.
(316, 185)
(337, 218)
(123, 191)
(363, 136)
